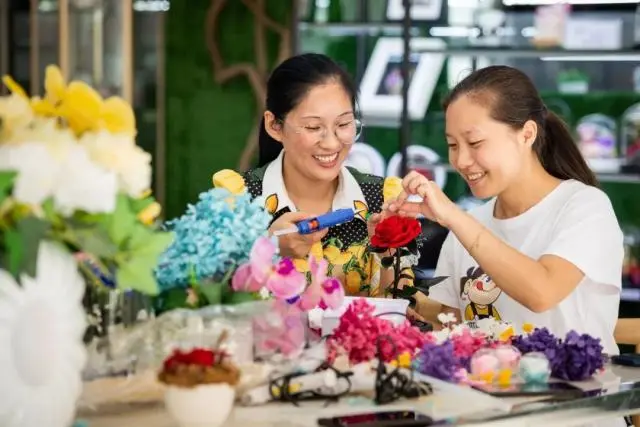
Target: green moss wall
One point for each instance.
(207, 124)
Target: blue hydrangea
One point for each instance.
(214, 235)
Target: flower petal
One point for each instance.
(285, 286)
(261, 258)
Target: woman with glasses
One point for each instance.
(309, 126)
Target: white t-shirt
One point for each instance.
(575, 222)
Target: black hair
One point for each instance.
(513, 100)
(287, 86)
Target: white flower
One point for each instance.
(36, 171)
(447, 318)
(41, 350)
(120, 154)
(83, 185)
(62, 171)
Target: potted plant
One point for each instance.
(200, 386)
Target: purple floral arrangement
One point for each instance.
(576, 358)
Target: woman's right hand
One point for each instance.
(295, 245)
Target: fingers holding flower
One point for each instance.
(435, 205)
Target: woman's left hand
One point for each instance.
(435, 205)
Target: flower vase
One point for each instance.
(206, 405)
(111, 313)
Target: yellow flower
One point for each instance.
(392, 187)
(14, 87)
(117, 116)
(42, 107)
(81, 107)
(150, 213)
(229, 180)
(504, 377)
(506, 334)
(335, 256)
(527, 328)
(54, 85)
(15, 116)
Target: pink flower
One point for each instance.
(323, 291)
(359, 331)
(282, 279)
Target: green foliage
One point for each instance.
(118, 242)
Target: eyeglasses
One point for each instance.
(347, 132)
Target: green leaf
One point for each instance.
(6, 183)
(95, 241)
(137, 274)
(15, 252)
(22, 245)
(212, 292)
(138, 205)
(123, 221)
(387, 262)
(147, 242)
(171, 299)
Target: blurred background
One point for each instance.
(195, 72)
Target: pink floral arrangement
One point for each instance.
(284, 330)
(359, 330)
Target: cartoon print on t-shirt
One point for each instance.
(482, 293)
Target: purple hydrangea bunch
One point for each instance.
(438, 361)
(575, 358)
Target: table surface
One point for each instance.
(622, 397)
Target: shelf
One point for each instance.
(356, 29)
(630, 294)
(543, 54)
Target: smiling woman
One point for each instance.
(309, 126)
(546, 248)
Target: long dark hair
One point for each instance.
(287, 86)
(513, 100)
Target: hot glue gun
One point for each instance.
(318, 223)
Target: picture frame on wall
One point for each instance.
(421, 10)
(381, 85)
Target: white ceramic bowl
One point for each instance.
(205, 405)
(329, 319)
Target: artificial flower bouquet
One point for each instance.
(222, 275)
(200, 386)
(490, 351)
(70, 172)
(74, 198)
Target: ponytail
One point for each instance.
(268, 148)
(559, 154)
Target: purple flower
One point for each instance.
(438, 361)
(539, 340)
(575, 358)
(579, 357)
